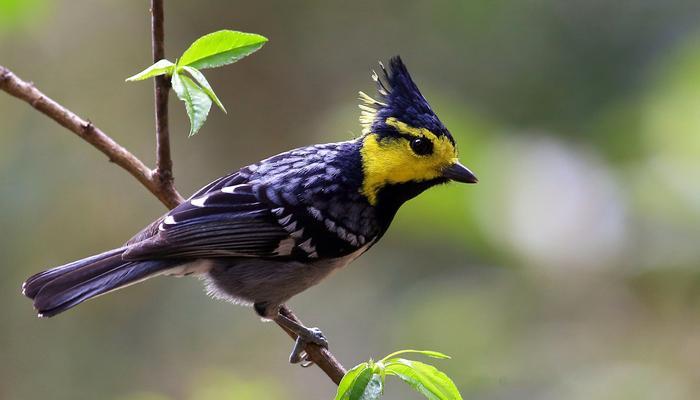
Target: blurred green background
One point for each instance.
(571, 271)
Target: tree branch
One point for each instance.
(10, 83)
(161, 88)
(159, 182)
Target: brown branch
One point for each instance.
(161, 88)
(160, 181)
(10, 83)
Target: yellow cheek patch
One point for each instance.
(391, 160)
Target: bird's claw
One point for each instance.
(311, 335)
(300, 357)
(315, 336)
(306, 363)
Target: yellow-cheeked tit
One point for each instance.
(268, 231)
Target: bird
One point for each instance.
(272, 229)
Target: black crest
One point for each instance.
(399, 98)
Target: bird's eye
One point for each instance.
(422, 146)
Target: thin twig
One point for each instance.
(161, 88)
(10, 83)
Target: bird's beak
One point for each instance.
(459, 173)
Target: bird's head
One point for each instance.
(405, 147)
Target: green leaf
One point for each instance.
(374, 388)
(348, 381)
(379, 369)
(429, 353)
(197, 102)
(221, 48)
(162, 67)
(204, 84)
(360, 384)
(424, 378)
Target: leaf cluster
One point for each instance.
(366, 380)
(189, 83)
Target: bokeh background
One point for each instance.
(571, 271)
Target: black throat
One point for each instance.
(391, 197)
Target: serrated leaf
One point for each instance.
(197, 102)
(359, 386)
(221, 48)
(429, 353)
(348, 380)
(204, 84)
(162, 67)
(424, 378)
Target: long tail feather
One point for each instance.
(64, 287)
(34, 283)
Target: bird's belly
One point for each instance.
(253, 280)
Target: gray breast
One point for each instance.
(253, 280)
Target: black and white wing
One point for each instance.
(224, 219)
(302, 204)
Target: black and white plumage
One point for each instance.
(241, 233)
(273, 229)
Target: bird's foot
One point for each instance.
(315, 336)
(311, 335)
(304, 336)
